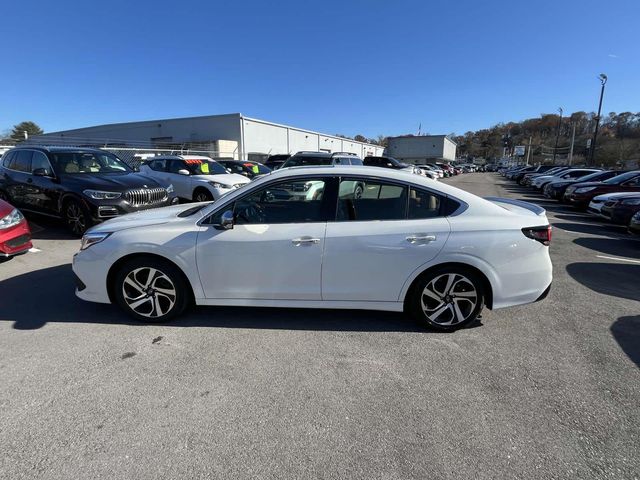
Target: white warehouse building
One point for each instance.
(422, 149)
(229, 135)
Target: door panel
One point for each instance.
(280, 261)
(381, 236)
(274, 250)
(370, 261)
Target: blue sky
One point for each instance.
(368, 67)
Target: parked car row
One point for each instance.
(610, 194)
(85, 186)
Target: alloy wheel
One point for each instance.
(449, 299)
(76, 219)
(149, 292)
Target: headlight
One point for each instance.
(584, 189)
(100, 195)
(11, 220)
(89, 239)
(219, 185)
(631, 201)
(170, 188)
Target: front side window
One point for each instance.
(87, 162)
(199, 166)
(362, 200)
(39, 161)
(292, 201)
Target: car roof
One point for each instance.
(181, 157)
(57, 148)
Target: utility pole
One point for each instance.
(555, 150)
(529, 150)
(573, 139)
(603, 81)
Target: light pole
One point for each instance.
(603, 81)
(555, 150)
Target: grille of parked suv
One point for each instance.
(144, 196)
(238, 185)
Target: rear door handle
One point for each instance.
(421, 238)
(305, 241)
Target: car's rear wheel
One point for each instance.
(202, 195)
(77, 217)
(151, 290)
(447, 298)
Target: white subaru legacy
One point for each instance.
(397, 242)
(194, 177)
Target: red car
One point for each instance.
(580, 194)
(15, 236)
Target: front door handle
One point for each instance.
(421, 238)
(305, 241)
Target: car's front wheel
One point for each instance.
(202, 195)
(77, 217)
(447, 298)
(151, 290)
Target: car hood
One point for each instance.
(610, 196)
(154, 216)
(224, 178)
(112, 182)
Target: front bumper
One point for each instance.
(91, 270)
(15, 240)
(102, 210)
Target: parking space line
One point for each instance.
(618, 259)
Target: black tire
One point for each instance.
(76, 217)
(161, 305)
(466, 291)
(202, 195)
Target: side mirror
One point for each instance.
(226, 221)
(182, 171)
(41, 172)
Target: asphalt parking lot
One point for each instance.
(549, 390)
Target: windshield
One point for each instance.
(88, 162)
(621, 178)
(591, 176)
(302, 161)
(204, 167)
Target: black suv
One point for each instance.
(305, 159)
(81, 185)
(384, 162)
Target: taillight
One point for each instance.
(541, 234)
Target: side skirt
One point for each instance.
(243, 302)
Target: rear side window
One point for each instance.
(175, 165)
(157, 165)
(423, 204)
(22, 163)
(366, 200)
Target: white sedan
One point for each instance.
(401, 243)
(194, 177)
